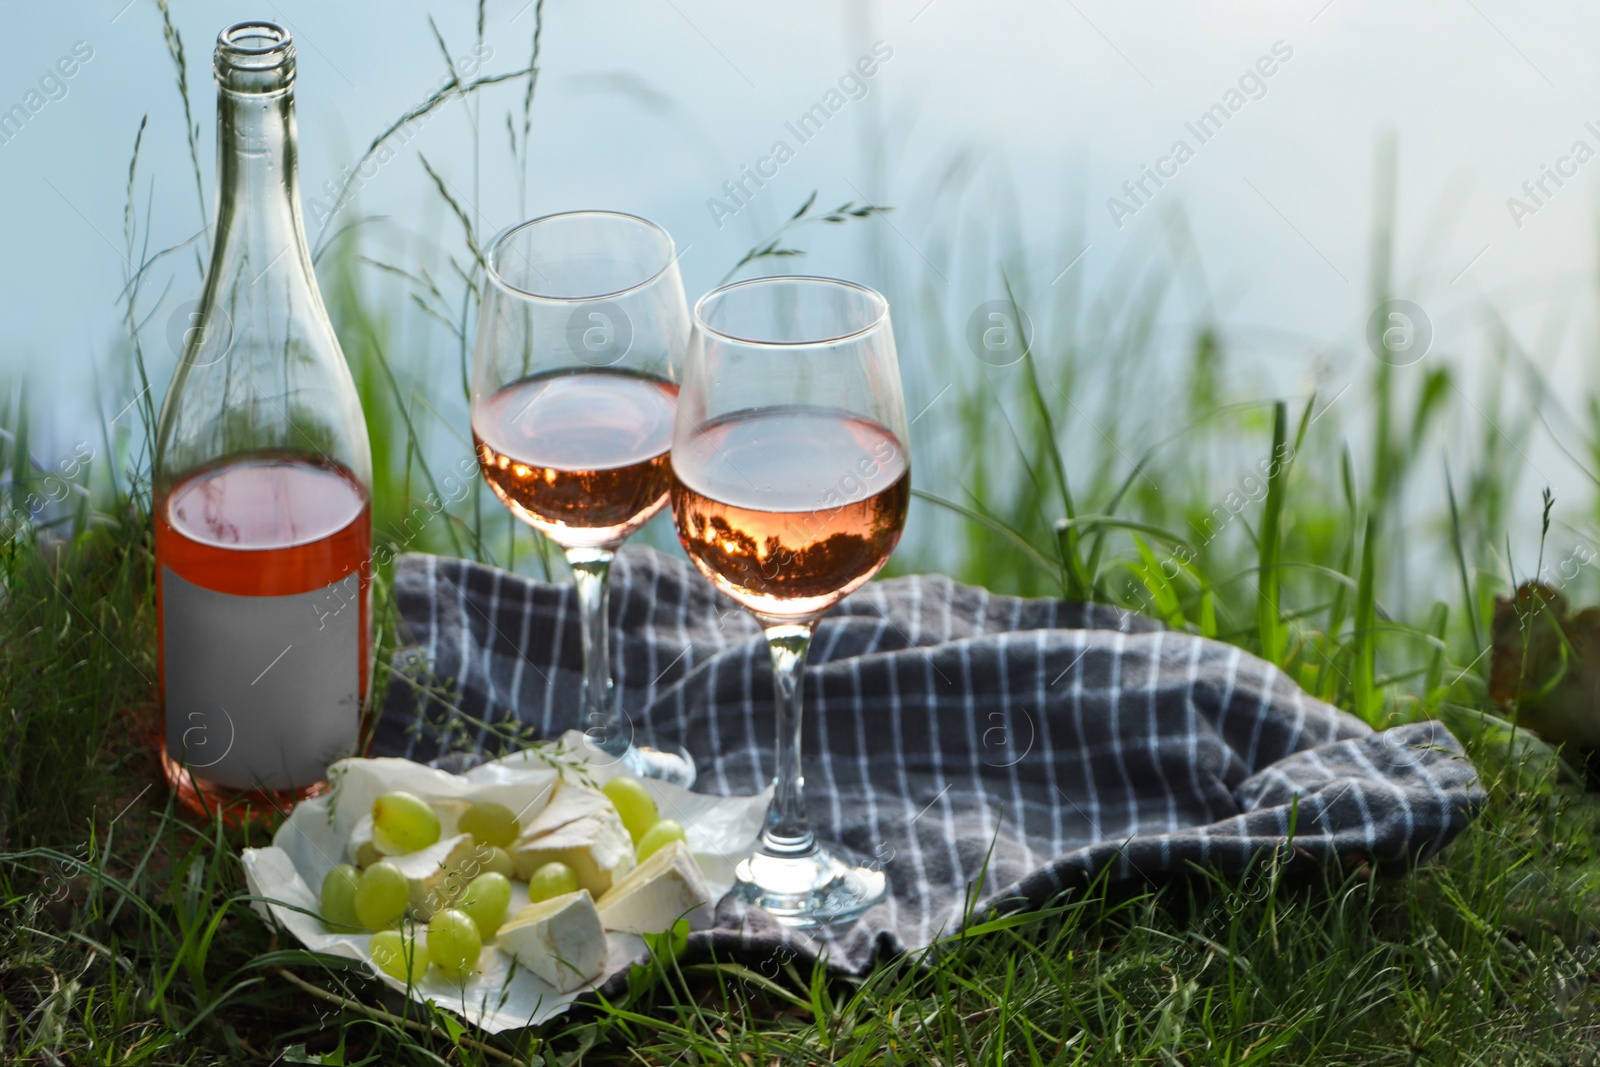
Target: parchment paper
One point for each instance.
(501, 996)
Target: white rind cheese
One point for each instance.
(666, 887)
(580, 828)
(560, 940)
(598, 850)
(569, 802)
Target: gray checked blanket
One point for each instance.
(945, 728)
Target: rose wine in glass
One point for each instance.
(791, 482)
(580, 456)
(262, 479)
(750, 506)
(580, 336)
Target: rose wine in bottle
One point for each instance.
(789, 510)
(263, 537)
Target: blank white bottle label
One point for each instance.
(262, 692)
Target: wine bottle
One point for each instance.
(262, 479)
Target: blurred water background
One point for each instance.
(1337, 152)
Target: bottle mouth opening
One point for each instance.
(255, 57)
(255, 38)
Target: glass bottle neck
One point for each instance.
(261, 371)
(258, 200)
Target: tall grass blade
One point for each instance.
(1270, 629)
(1365, 697)
(191, 129)
(1076, 578)
(1458, 545)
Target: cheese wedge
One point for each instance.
(580, 828)
(598, 849)
(666, 887)
(560, 940)
(569, 802)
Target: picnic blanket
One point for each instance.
(946, 730)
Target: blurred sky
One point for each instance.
(1045, 107)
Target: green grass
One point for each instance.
(126, 935)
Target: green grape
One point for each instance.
(551, 880)
(382, 895)
(490, 824)
(454, 943)
(403, 820)
(486, 900)
(636, 807)
(497, 860)
(383, 846)
(367, 854)
(660, 835)
(400, 957)
(339, 898)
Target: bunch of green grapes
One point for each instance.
(452, 946)
(639, 814)
(476, 898)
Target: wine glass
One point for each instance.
(582, 329)
(790, 486)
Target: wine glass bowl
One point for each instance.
(583, 325)
(770, 543)
(581, 331)
(791, 482)
(579, 456)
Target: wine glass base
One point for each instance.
(831, 885)
(673, 764)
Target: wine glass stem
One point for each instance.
(591, 568)
(787, 831)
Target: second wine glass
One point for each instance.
(581, 332)
(791, 483)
